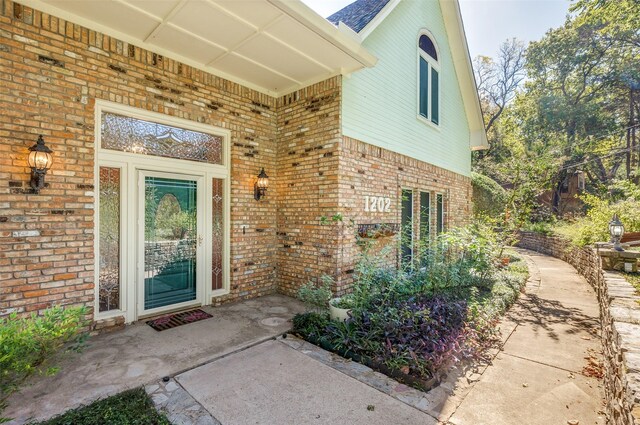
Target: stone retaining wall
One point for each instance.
(620, 321)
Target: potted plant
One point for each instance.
(340, 307)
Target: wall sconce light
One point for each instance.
(40, 161)
(261, 185)
(616, 229)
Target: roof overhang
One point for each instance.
(464, 69)
(461, 61)
(272, 46)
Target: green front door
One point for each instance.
(171, 240)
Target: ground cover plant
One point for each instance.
(132, 407)
(416, 322)
(28, 345)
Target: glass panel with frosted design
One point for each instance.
(170, 235)
(134, 135)
(109, 240)
(218, 233)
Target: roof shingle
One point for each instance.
(358, 14)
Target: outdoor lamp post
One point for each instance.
(40, 161)
(616, 229)
(261, 185)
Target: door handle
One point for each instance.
(200, 240)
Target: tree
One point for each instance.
(498, 81)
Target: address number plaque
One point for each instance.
(377, 204)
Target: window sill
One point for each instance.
(428, 122)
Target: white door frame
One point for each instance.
(201, 279)
(130, 164)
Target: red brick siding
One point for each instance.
(309, 136)
(369, 170)
(51, 73)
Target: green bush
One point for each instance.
(489, 198)
(27, 345)
(316, 295)
(594, 227)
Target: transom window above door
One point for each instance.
(428, 79)
(129, 134)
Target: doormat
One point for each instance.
(177, 319)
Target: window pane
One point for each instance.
(170, 233)
(407, 226)
(435, 106)
(109, 240)
(218, 233)
(439, 213)
(425, 225)
(424, 88)
(427, 46)
(133, 135)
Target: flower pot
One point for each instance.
(338, 314)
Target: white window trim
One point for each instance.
(128, 162)
(433, 64)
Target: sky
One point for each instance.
(489, 22)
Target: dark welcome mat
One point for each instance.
(174, 320)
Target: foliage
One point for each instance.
(498, 81)
(423, 333)
(542, 227)
(27, 345)
(345, 301)
(423, 318)
(572, 111)
(594, 227)
(316, 295)
(310, 324)
(489, 198)
(131, 407)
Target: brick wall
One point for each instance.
(367, 170)
(620, 324)
(309, 137)
(51, 73)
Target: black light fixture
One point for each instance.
(261, 185)
(616, 229)
(40, 161)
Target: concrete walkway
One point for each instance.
(227, 371)
(538, 378)
(138, 355)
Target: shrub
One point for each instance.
(28, 344)
(489, 198)
(316, 295)
(594, 227)
(310, 324)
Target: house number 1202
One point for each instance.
(377, 204)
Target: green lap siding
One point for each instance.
(380, 104)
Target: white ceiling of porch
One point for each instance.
(274, 46)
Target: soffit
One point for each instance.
(273, 46)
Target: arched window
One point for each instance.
(428, 79)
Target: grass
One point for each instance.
(132, 407)
(633, 279)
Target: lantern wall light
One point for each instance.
(40, 161)
(616, 229)
(261, 185)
